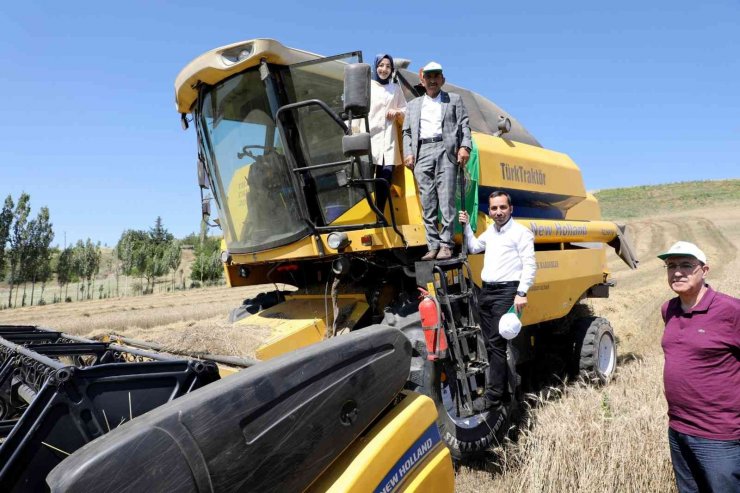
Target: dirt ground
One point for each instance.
(569, 443)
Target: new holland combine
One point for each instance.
(336, 403)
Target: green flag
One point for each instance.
(472, 175)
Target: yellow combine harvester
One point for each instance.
(294, 190)
(355, 392)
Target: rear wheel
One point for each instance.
(595, 348)
(466, 436)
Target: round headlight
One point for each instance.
(338, 241)
(225, 257)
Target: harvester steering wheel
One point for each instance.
(246, 152)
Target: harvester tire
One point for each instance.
(595, 348)
(468, 436)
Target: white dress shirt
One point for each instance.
(430, 123)
(509, 253)
(383, 133)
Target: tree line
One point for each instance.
(27, 258)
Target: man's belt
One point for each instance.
(431, 140)
(503, 284)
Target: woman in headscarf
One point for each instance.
(387, 106)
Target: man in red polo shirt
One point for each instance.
(701, 343)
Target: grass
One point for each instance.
(623, 203)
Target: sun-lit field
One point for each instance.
(577, 438)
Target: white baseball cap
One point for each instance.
(684, 249)
(509, 326)
(432, 67)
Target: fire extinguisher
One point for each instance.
(431, 323)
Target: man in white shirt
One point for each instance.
(436, 139)
(508, 272)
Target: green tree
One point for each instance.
(149, 254)
(207, 265)
(38, 262)
(86, 265)
(65, 269)
(92, 265)
(6, 219)
(18, 242)
(173, 257)
(127, 250)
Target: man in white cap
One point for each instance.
(701, 343)
(436, 139)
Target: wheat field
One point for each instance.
(576, 438)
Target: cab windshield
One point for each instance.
(259, 206)
(247, 165)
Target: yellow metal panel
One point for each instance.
(517, 166)
(436, 476)
(549, 231)
(301, 321)
(224, 370)
(211, 67)
(374, 457)
(589, 209)
(306, 247)
(563, 276)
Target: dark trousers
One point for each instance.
(381, 191)
(704, 465)
(493, 303)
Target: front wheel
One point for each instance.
(465, 436)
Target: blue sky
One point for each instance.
(635, 92)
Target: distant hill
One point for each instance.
(621, 203)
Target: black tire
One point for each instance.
(595, 348)
(466, 437)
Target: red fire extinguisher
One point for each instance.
(431, 322)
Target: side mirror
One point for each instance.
(202, 175)
(357, 89)
(504, 126)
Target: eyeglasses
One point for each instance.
(683, 267)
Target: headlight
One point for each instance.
(338, 241)
(237, 54)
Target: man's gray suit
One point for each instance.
(435, 164)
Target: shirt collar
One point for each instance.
(705, 301)
(505, 227)
(438, 99)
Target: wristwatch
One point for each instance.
(522, 294)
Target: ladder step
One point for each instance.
(455, 297)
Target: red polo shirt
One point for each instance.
(702, 366)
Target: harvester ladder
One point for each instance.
(456, 295)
